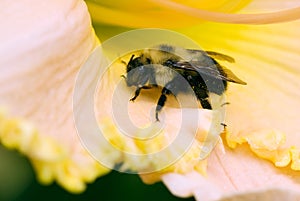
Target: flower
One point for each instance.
(261, 116)
(48, 54)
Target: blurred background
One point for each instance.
(18, 183)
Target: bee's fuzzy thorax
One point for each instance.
(158, 56)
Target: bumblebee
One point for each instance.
(166, 65)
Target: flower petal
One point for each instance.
(149, 14)
(263, 18)
(264, 112)
(235, 171)
(186, 185)
(43, 44)
(266, 195)
(266, 58)
(179, 14)
(270, 5)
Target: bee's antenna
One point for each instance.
(131, 58)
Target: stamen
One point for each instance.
(226, 103)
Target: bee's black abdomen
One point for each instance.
(203, 84)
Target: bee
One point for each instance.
(166, 65)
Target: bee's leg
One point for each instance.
(147, 87)
(138, 90)
(136, 93)
(205, 104)
(161, 101)
(202, 96)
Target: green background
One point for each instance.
(18, 183)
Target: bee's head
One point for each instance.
(137, 72)
(133, 63)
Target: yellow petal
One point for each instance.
(43, 45)
(166, 13)
(259, 18)
(155, 13)
(272, 91)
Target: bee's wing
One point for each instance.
(231, 77)
(212, 54)
(219, 72)
(220, 56)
